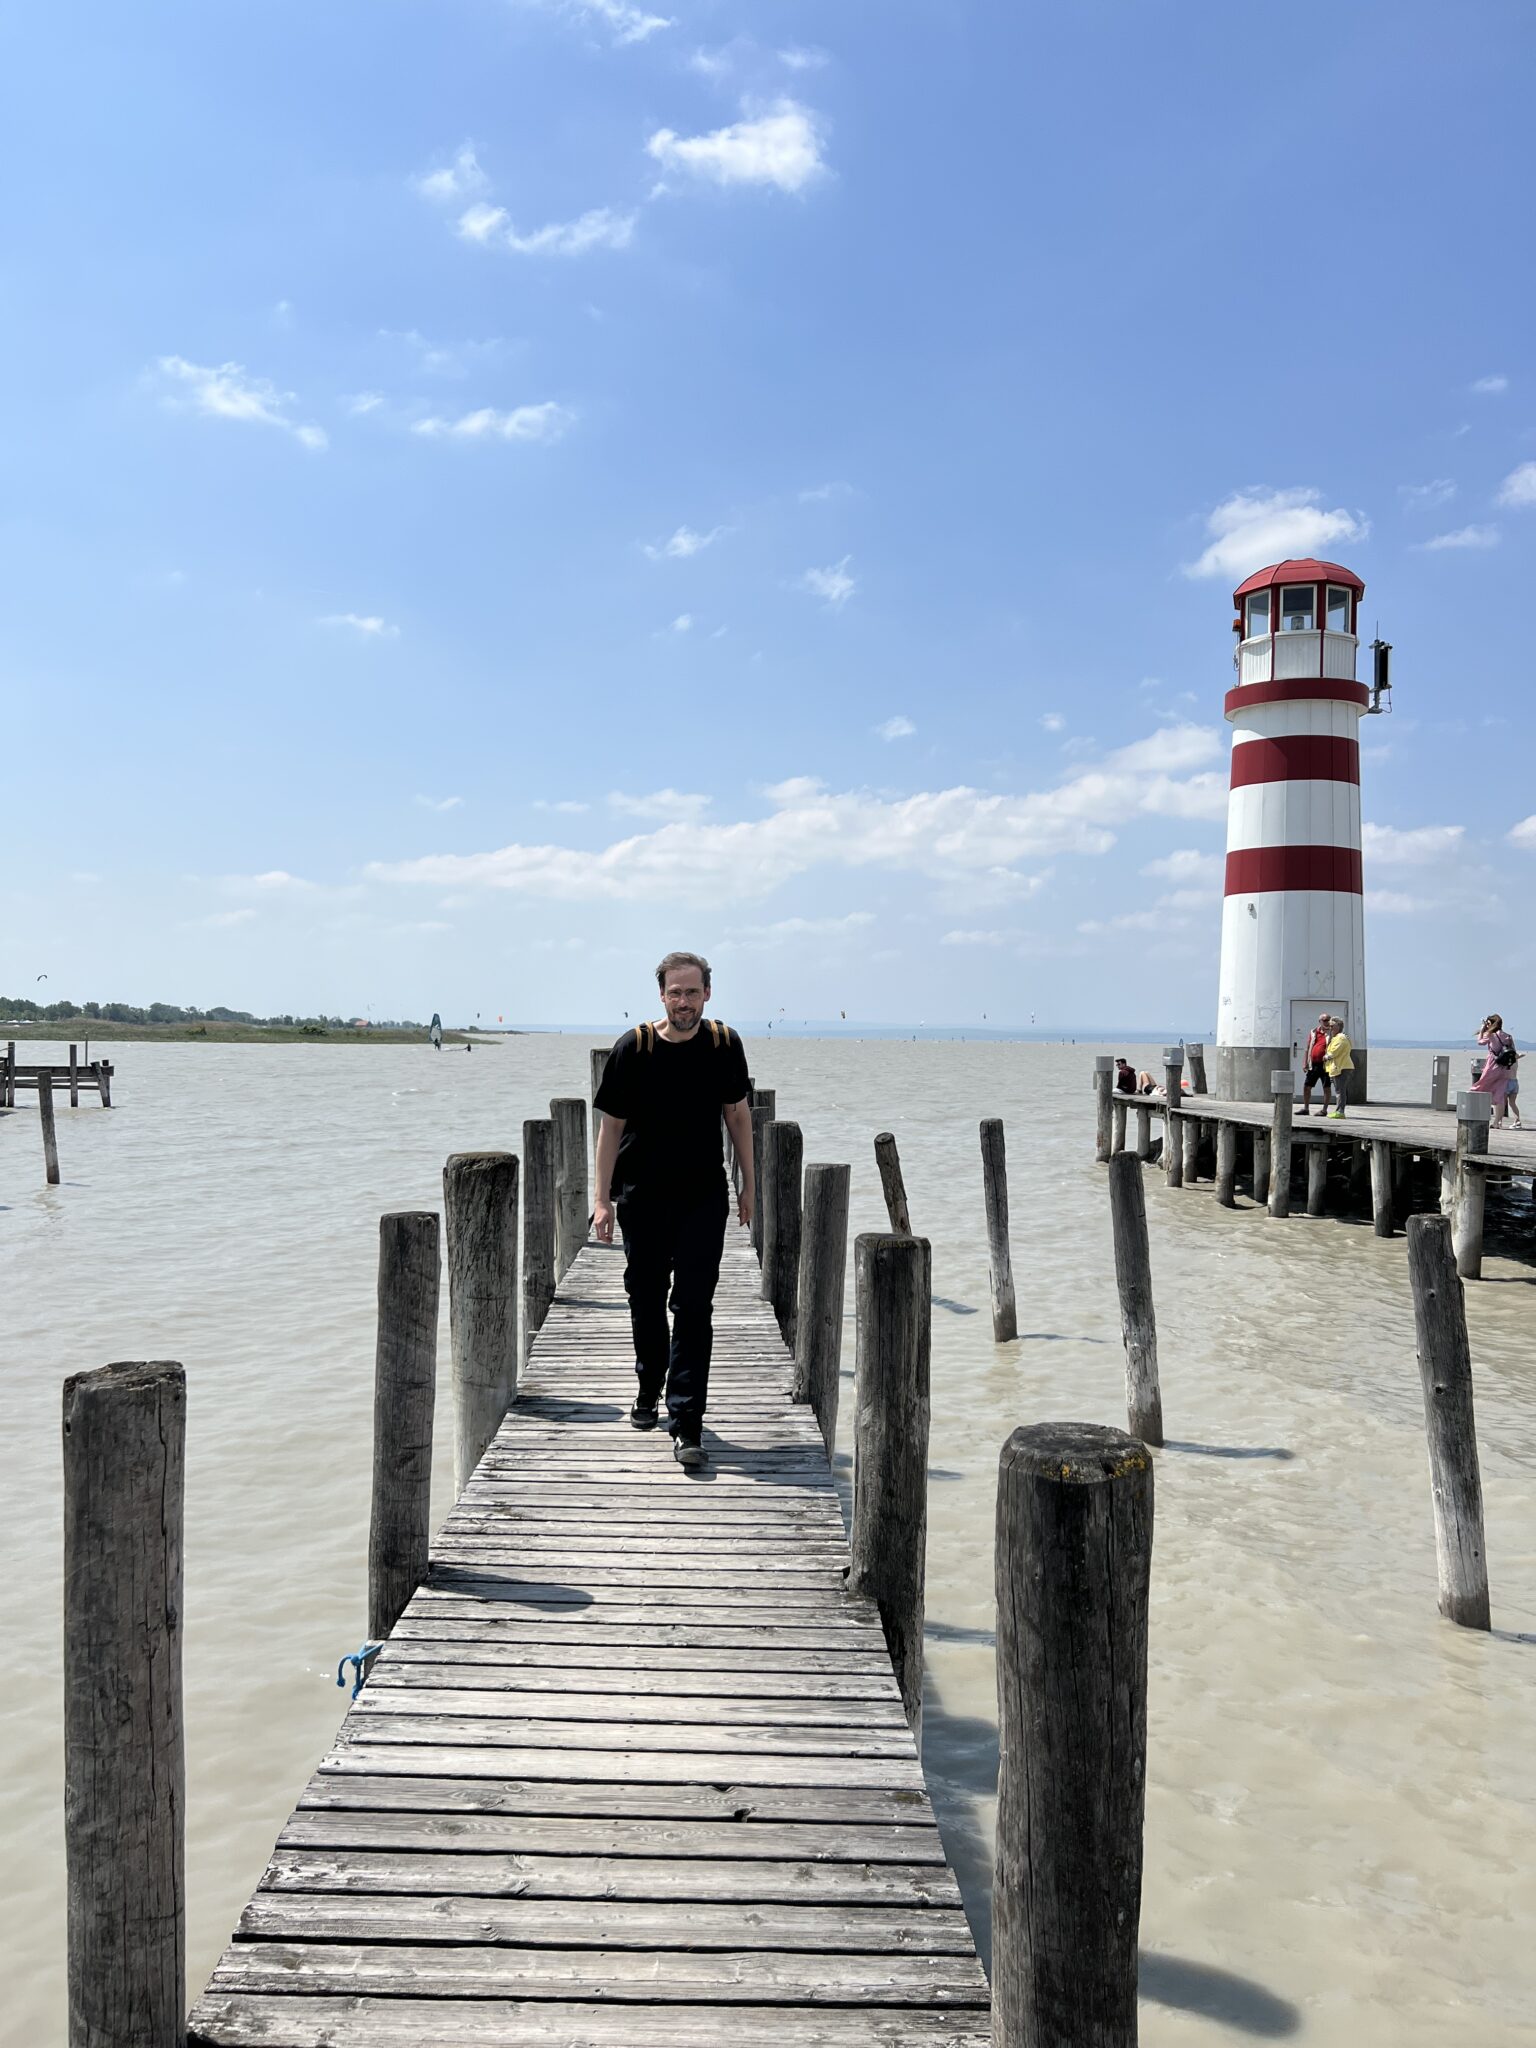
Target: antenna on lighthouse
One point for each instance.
(1381, 679)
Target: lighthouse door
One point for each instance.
(1305, 1011)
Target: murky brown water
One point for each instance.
(1342, 1795)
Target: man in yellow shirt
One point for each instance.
(1338, 1065)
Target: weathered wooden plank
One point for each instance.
(693, 1712)
(546, 1845)
(395, 1723)
(578, 1635)
(471, 1757)
(426, 1782)
(776, 1691)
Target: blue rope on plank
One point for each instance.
(361, 1661)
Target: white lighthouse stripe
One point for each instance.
(1294, 946)
(1294, 814)
(1308, 716)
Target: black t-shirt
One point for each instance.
(670, 1097)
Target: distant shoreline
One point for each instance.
(100, 1031)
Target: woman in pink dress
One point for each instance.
(1499, 1067)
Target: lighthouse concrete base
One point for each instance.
(1242, 1072)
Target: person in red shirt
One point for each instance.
(1317, 1048)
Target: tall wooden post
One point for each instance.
(1133, 1279)
(1103, 1117)
(1190, 1128)
(74, 1077)
(1473, 1112)
(538, 1193)
(892, 1186)
(1317, 1175)
(10, 1074)
(480, 1217)
(890, 1458)
(1117, 1109)
(764, 1101)
(1226, 1164)
(1445, 1369)
(50, 1133)
(124, 1741)
(994, 1188)
(599, 1058)
(1143, 1131)
(785, 1150)
(1173, 1095)
(1195, 1055)
(1260, 1167)
(1440, 1081)
(1282, 1085)
(568, 1113)
(404, 1388)
(1381, 1187)
(823, 1262)
(1073, 1564)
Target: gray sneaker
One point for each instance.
(643, 1415)
(687, 1453)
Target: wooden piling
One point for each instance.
(784, 1158)
(74, 1077)
(104, 1082)
(538, 1202)
(124, 1740)
(50, 1133)
(1440, 1081)
(823, 1262)
(1173, 1094)
(480, 1218)
(1382, 1192)
(568, 1113)
(1317, 1177)
(1473, 1111)
(1226, 1164)
(764, 1101)
(404, 1386)
(599, 1061)
(1073, 1564)
(1143, 1131)
(1195, 1057)
(892, 1186)
(893, 1276)
(1282, 1085)
(994, 1188)
(10, 1074)
(1103, 1118)
(1117, 1110)
(1189, 1132)
(1261, 1168)
(1445, 1369)
(1133, 1279)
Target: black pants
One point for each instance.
(676, 1243)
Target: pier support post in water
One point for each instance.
(764, 1101)
(538, 1193)
(1117, 1110)
(1103, 1103)
(823, 1262)
(50, 1133)
(404, 1386)
(1317, 1176)
(480, 1215)
(1445, 1368)
(1074, 1565)
(568, 1114)
(892, 1186)
(1260, 1167)
(1440, 1081)
(1282, 1086)
(1226, 1164)
(889, 1540)
(994, 1188)
(74, 1077)
(784, 1156)
(1382, 1191)
(1173, 1095)
(1473, 1112)
(124, 1742)
(1133, 1278)
(599, 1064)
(1195, 1056)
(1189, 1129)
(1143, 1131)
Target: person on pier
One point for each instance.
(1317, 1065)
(661, 1177)
(1338, 1065)
(1499, 1068)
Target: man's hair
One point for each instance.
(682, 960)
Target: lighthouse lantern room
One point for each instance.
(1292, 930)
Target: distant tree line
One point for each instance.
(25, 1010)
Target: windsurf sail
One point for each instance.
(436, 1031)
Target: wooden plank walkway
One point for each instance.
(1412, 1127)
(632, 1771)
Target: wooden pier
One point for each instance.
(65, 1076)
(632, 1770)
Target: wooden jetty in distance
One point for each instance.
(72, 1075)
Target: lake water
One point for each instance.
(1340, 1809)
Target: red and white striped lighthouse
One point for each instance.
(1293, 926)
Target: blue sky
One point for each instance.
(497, 488)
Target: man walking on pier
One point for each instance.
(661, 1173)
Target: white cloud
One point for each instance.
(440, 803)
(1052, 721)
(819, 494)
(670, 805)
(228, 392)
(799, 57)
(370, 628)
(1425, 497)
(363, 402)
(897, 728)
(1490, 387)
(1205, 872)
(1393, 903)
(1523, 834)
(460, 179)
(273, 882)
(546, 422)
(479, 222)
(1253, 528)
(786, 928)
(683, 623)
(1519, 487)
(833, 584)
(684, 542)
(629, 24)
(781, 147)
(568, 806)
(1416, 846)
(978, 938)
(1463, 537)
(602, 227)
(218, 920)
(446, 358)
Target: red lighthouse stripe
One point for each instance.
(1254, 870)
(1319, 691)
(1297, 757)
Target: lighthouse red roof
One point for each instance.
(1307, 570)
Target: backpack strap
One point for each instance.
(645, 1037)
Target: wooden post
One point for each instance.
(1133, 1278)
(1471, 1182)
(1381, 1187)
(785, 1151)
(1226, 1164)
(892, 1186)
(50, 1135)
(104, 1082)
(1445, 1369)
(74, 1077)
(994, 1188)
(404, 1386)
(823, 1262)
(1189, 1131)
(1260, 1167)
(568, 1113)
(599, 1063)
(10, 1074)
(124, 1744)
(1173, 1095)
(764, 1101)
(1103, 1119)
(1117, 1110)
(538, 1226)
(1195, 1055)
(1282, 1086)
(1317, 1176)
(1440, 1081)
(480, 1219)
(1143, 1131)
(1074, 1566)
(893, 1276)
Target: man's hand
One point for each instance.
(744, 1206)
(602, 1222)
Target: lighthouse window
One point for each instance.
(1258, 613)
(1298, 608)
(1338, 609)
